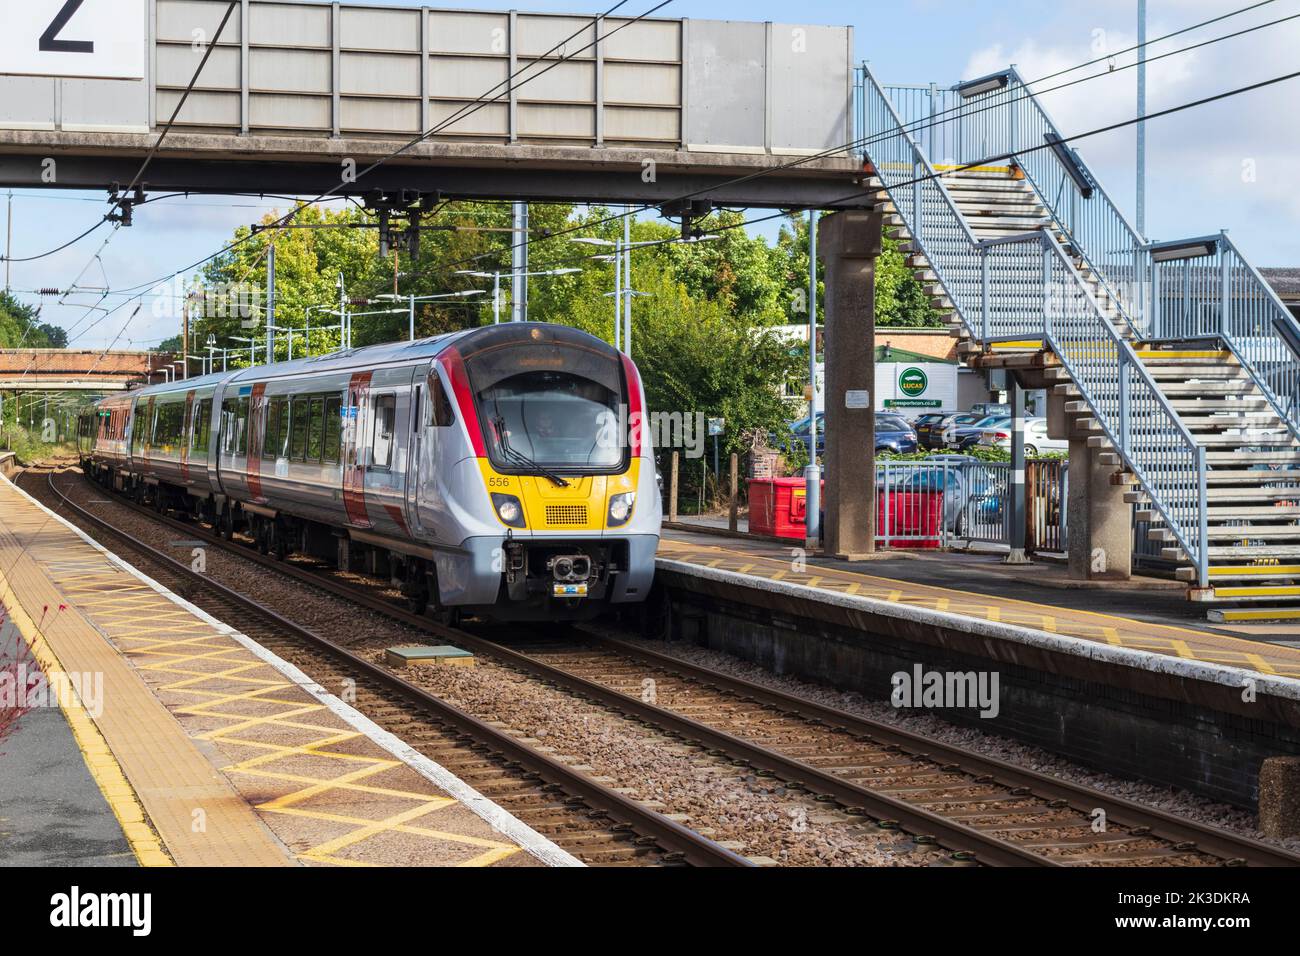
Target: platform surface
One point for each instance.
(1155, 621)
(209, 750)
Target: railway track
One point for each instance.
(594, 822)
(981, 809)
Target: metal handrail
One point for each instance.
(1226, 298)
(1136, 417)
(1026, 285)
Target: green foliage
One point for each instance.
(20, 327)
(900, 300)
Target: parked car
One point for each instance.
(1037, 440)
(964, 437)
(985, 409)
(927, 424)
(893, 434)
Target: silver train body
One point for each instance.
(504, 471)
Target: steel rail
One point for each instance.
(1127, 813)
(954, 836)
(1233, 849)
(674, 838)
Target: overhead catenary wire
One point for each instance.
(832, 151)
(479, 103)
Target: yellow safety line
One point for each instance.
(982, 599)
(100, 762)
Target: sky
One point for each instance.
(1229, 165)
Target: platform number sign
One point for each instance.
(92, 39)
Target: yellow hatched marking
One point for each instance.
(1261, 665)
(813, 581)
(942, 604)
(895, 597)
(993, 613)
(1112, 635)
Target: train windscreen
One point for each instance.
(552, 419)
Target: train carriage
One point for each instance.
(505, 471)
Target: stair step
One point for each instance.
(1217, 533)
(1261, 593)
(1220, 512)
(1152, 357)
(1246, 572)
(1257, 615)
(1213, 405)
(1215, 371)
(1225, 388)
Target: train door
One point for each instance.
(356, 449)
(415, 466)
(386, 460)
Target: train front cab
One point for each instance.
(553, 480)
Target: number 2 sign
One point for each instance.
(102, 39)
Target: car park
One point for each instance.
(1037, 441)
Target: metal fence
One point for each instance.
(941, 504)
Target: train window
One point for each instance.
(202, 430)
(298, 423)
(440, 403)
(315, 423)
(169, 420)
(241, 427)
(381, 457)
(277, 429)
(333, 427)
(227, 426)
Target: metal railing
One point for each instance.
(1026, 286)
(1216, 294)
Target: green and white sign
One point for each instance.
(912, 382)
(913, 403)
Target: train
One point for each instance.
(503, 471)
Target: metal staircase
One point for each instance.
(1177, 357)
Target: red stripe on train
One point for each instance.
(454, 363)
(635, 406)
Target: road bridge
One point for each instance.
(79, 370)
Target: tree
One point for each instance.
(900, 300)
(20, 327)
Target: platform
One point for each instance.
(1150, 616)
(208, 749)
(1109, 677)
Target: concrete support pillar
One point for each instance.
(1100, 520)
(848, 245)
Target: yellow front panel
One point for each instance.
(582, 506)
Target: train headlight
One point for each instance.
(509, 510)
(620, 508)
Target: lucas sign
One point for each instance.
(96, 39)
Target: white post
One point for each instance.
(618, 295)
(519, 258)
(270, 302)
(496, 297)
(1141, 126)
(627, 272)
(412, 318)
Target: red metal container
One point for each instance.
(778, 507)
(909, 519)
